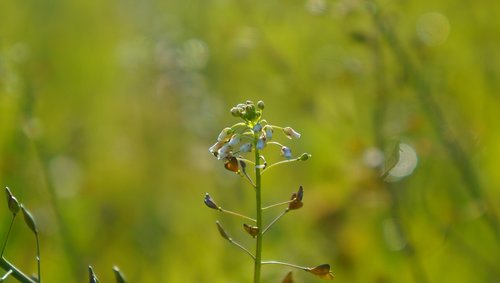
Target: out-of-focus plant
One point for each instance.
(11, 270)
(255, 135)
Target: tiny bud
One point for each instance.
(257, 128)
(291, 133)
(236, 112)
(286, 152)
(222, 232)
(252, 230)
(249, 102)
(29, 220)
(260, 104)
(304, 157)
(210, 202)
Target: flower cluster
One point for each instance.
(253, 133)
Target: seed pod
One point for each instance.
(119, 278)
(252, 230)
(29, 220)
(222, 232)
(210, 202)
(322, 271)
(12, 202)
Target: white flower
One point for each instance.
(291, 133)
(224, 134)
(224, 152)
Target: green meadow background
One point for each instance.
(108, 108)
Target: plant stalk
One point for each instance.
(258, 201)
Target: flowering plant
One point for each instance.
(254, 134)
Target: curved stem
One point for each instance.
(279, 163)
(285, 264)
(278, 204)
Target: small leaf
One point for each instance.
(322, 271)
(288, 278)
(231, 164)
(12, 202)
(252, 230)
(222, 231)
(29, 220)
(92, 276)
(210, 202)
(119, 278)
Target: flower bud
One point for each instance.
(261, 143)
(304, 157)
(268, 132)
(260, 104)
(235, 139)
(291, 133)
(286, 152)
(257, 128)
(247, 147)
(210, 202)
(236, 112)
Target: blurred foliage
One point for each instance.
(107, 110)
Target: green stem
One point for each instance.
(38, 258)
(258, 201)
(8, 233)
(16, 273)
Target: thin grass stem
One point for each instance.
(236, 214)
(277, 204)
(8, 234)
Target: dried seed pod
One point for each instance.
(231, 164)
(222, 231)
(322, 271)
(29, 220)
(210, 202)
(252, 230)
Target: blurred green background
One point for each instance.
(108, 108)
